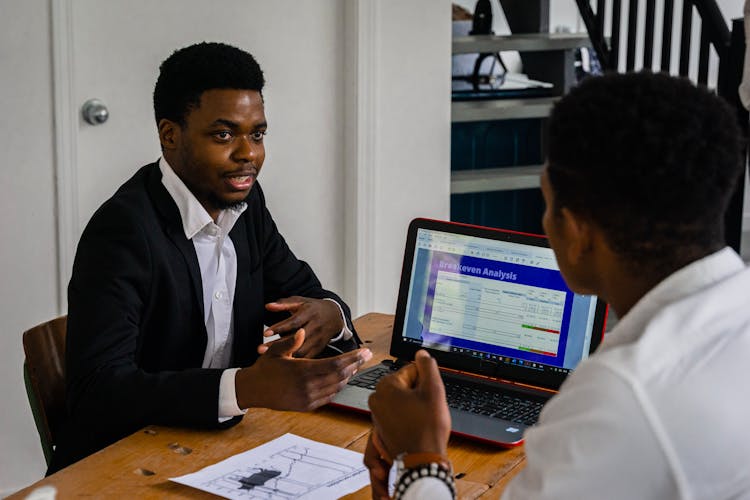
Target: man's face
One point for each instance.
(219, 151)
(563, 239)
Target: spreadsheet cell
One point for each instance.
(497, 312)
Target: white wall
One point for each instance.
(412, 130)
(397, 142)
(732, 9)
(28, 270)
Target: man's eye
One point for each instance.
(224, 135)
(258, 136)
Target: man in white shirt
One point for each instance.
(639, 173)
(176, 275)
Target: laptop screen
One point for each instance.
(493, 302)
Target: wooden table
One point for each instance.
(140, 465)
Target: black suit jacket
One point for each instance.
(136, 334)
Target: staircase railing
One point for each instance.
(714, 31)
(729, 47)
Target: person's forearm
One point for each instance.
(427, 487)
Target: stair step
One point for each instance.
(501, 109)
(525, 42)
(495, 179)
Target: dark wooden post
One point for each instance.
(556, 67)
(730, 76)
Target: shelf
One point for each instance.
(495, 179)
(526, 42)
(501, 109)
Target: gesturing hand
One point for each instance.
(409, 411)
(281, 382)
(320, 318)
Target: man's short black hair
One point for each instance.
(190, 71)
(651, 159)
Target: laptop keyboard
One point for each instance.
(482, 400)
(471, 397)
(370, 379)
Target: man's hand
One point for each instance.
(379, 463)
(409, 411)
(320, 318)
(281, 382)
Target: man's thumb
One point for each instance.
(428, 375)
(285, 347)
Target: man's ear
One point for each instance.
(169, 134)
(578, 231)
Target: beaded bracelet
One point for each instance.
(435, 470)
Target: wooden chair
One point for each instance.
(44, 375)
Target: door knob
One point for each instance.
(94, 112)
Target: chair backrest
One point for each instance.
(44, 375)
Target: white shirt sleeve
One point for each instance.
(584, 449)
(345, 334)
(228, 406)
(427, 487)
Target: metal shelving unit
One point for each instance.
(501, 109)
(560, 49)
(526, 42)
(495, 179)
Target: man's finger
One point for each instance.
(313, 345)
(325, 387)
(269, 333)
(378, 468)
(406, 377)
(289, 324)
(285, 304)
(343, 363)
(286, 346)
(428, 378)
(333, 380)
(323, 400)
(373, 459)
(378, 444)
(263, 348)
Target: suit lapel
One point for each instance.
(172, 223)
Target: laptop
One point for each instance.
(493, 309)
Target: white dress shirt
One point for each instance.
(661, 411)
(217, 260)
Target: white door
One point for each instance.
(114, 49)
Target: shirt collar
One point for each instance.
(686, 281)
(194, 217)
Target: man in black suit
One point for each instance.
(176, 275)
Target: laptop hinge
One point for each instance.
(498, 379)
